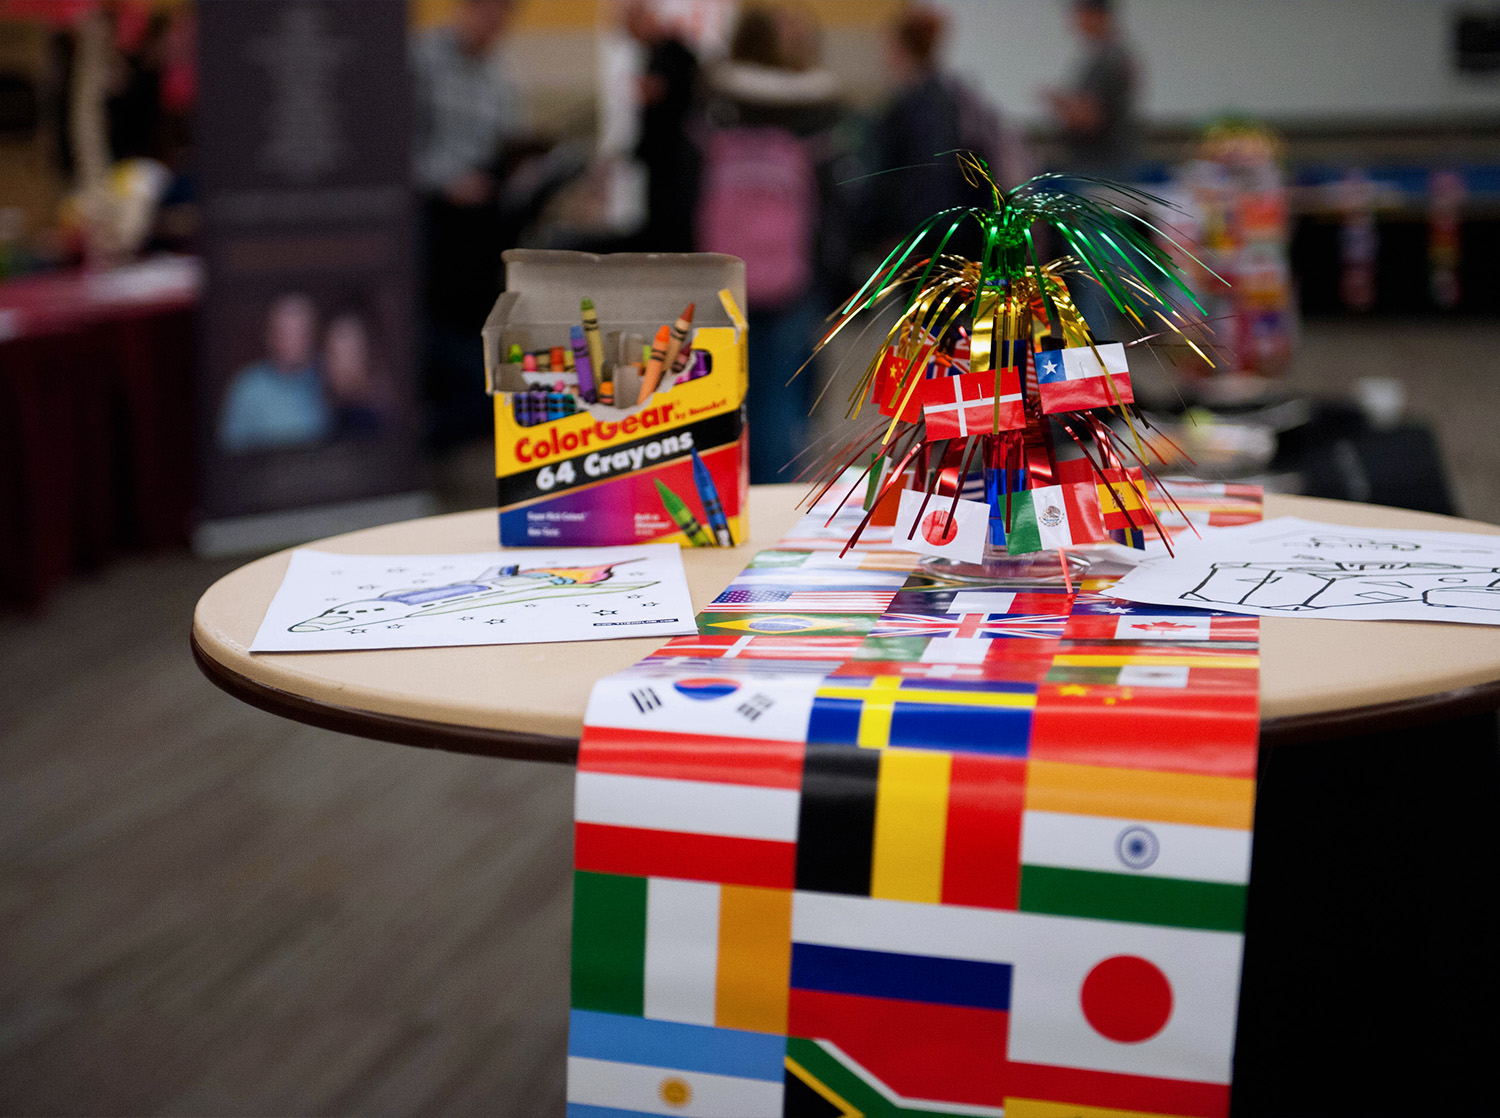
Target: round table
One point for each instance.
(1319, 679)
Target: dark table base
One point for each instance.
(1372, 948)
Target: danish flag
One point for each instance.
(957, 407)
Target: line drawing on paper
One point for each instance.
(497, 586)
(1321, 584)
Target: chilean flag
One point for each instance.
(1073, 378)
(957, 407)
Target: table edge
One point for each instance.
(482, 741)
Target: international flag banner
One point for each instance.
(1160, 627)
(1206, 818)
(629, 1065)
(1030, 603)
(691, 951)
(820, 578)
(749, 598)
(890, 561)
(1074, 378)
(797, 647)
(1043, 627)
(955, 530)
(1140, 726)
(1152, 1032)
(857, 848)
(1052, 517)
(998, 670)
(960, 406)
(682, 806)
(778, 624)
(877, 711)
(772, 706)
(915, 825)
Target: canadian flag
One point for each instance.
(957, 407)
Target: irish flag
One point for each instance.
(1053, 516)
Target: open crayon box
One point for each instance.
(574, 467)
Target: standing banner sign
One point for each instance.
(307, 390)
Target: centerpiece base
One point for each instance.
(1000, 569)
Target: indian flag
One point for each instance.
(1137, 845)
(1053, 516)
(624, 1065)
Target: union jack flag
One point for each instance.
(1042, 626)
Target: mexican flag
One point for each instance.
(1053, 516)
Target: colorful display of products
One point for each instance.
(1231, 206)
(883, 841)
(620, 450)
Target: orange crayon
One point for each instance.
(655, 364)
(677, 353)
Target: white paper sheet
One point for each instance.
(527, 596)
(1299, 568)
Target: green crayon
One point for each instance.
(514, 356)
(683, 517)
(596, 344)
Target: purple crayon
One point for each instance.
(582, 363)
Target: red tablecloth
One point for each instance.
(96, 420)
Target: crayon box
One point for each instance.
(620, 473)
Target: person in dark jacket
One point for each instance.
(668, 89)
(914, 172)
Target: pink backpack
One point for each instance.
(759, 202)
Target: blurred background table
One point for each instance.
(96, 419)
(1319, 679)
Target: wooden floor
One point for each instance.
(205, 909)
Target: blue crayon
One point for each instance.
(713, 509)
(582, 363)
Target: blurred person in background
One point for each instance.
(464, 112)
(769, 141)
(913, 173)
(1097, 110)
(667, 91)
(355, 391)
(278, 402)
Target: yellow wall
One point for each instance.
(567, 15)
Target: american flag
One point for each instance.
(1043, 626)
(746, 599)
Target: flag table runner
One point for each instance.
(879, 841)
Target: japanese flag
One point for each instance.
(961, 536)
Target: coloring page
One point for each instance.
(1298, 568)
(340, 602)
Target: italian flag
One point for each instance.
(1052, 517)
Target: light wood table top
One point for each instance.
(1319, 679)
